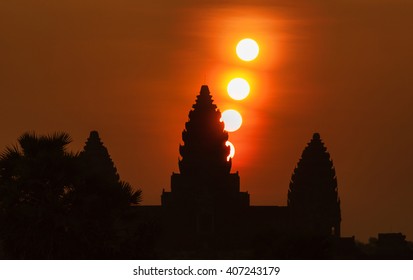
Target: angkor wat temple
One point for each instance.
(205, 215)
(58, 205)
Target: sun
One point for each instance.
(247, 49)
(238, 88)
(232, 120)
(231, 151)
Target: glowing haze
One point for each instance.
(132, 70)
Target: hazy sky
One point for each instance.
(132, 69)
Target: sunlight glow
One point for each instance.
(232, 120)
(247, 49)
(231, 151)
(238, 88)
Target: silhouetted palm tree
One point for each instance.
(35, 177)
(56, 205)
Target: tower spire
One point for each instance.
(205, 180)
(204, 151)
(313, 196)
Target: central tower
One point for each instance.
(204, 181)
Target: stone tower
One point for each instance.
(313, 199)
(204, 183)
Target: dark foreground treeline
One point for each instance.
(59, 205)
(389, 246)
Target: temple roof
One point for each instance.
(204, 150)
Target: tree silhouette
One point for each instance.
(313, 197)
(35, 177)
(56, 205)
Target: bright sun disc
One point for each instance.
(247, 49)
(238, 88)
(231, 151)
(232, 120)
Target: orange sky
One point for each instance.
(132, 70)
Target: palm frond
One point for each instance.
(62, 138)
(10, 152)
(29, 142)
(133, 196)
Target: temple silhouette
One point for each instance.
(205, 215)
(55, 204)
